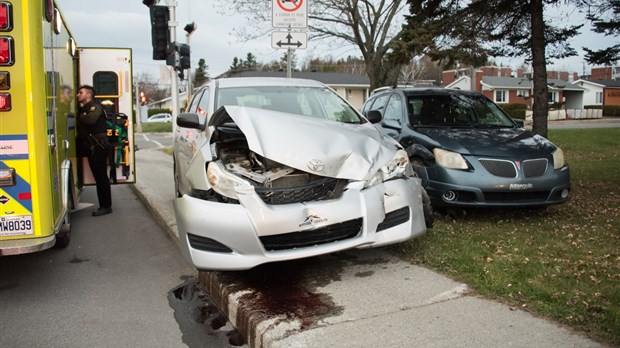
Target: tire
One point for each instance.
(176, 178)
(429, 217)
(63, 237)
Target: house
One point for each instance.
(504, 90)
(605, 73)
(600, 92)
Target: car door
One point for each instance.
(187, 140)
(390, 106)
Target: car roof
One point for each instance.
(265, 81)
(425, 91)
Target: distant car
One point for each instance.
(270, 169)
(483, 157)
(160, 118)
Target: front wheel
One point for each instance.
(429, 217)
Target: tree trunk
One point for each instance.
(540, 107)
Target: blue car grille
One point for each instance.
(501, 168)
(323, 235)
(535, 167)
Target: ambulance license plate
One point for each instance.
(16, 225)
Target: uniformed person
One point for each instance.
(91, 129)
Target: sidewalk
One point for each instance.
(360, 298)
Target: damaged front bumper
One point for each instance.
(219, 236)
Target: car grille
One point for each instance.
(323, 235)
(535, 167)
(315, 190)
(502, 168)
(394, 218)
(516, 196)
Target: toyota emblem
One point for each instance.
(316, 165)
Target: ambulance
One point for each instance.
(41, 177)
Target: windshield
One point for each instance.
(306, 101)
(455, 110)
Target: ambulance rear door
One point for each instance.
(109, 71)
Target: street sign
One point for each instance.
(289, 13)
(289, 39)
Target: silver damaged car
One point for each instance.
(274, 169)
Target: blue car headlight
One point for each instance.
(449, 159)
(558, 159)
(397, 167)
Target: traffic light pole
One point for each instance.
(174, 88)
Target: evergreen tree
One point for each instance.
(200, 74)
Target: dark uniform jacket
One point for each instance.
(91, 123)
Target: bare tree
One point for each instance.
(147, 83)
(369, 25)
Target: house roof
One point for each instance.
(524, 83)
(328, 78)
(507, 82)
(603, 83)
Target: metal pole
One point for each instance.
(174, 88)
(190, 88)
(288, 58)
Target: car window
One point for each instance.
(305, 101)
(379, 103)
(393, 109)
(203, 104)
(455, 110)
(193, 106)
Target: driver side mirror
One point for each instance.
(374, 116)
(189, 120)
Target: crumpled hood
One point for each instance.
(496, 142)
(318, 146)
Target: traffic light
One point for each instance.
(183, 62)
(143, 100)
(184, 58)
(160, 33)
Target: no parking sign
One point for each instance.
(289, 13)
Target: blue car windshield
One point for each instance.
(305, 101)
(455, 110)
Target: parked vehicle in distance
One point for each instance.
(274, 169)
(483, 157)
(160, 118)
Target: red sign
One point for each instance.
(294, 5)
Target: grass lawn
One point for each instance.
(561, 262)
(156, 127)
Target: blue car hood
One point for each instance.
(496, 142)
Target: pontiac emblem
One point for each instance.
(316, 165)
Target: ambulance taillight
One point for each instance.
(6, 51)
(6, 16)
(5, 102)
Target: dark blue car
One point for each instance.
(482, 156)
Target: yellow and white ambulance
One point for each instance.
(41, 68)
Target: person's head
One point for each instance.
(85, 94)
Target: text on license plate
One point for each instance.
(16, 225)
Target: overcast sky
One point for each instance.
(126, 23)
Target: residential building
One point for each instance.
(600, 92)
(605, 73)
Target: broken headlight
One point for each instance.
(222, 181)
(397, 167)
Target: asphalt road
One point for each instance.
(121, 282)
